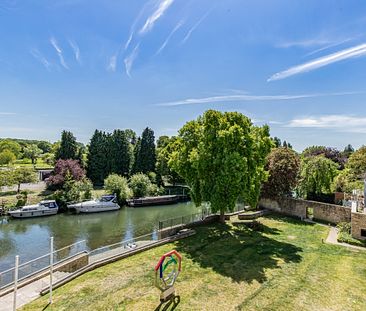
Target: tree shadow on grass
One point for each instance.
(238, 252)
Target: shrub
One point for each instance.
(73, 191)
(117, 184)
(62, 168)
(344, 227)
(140, 185)
(22, 198)
(344, 235)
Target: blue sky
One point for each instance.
(299, 66)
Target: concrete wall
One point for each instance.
(321, 211)
(73, 264)
(358, 223)
(164, 233)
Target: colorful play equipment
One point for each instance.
(166, 273)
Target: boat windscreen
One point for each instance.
(106, 198)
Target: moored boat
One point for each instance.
(43, 208)
(158, 200)
(104, 204)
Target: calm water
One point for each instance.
(29, 238)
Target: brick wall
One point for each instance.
(358, 223)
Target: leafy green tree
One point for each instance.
(131, 136)
(32, 152)
(136, 151)
(48, 158)
(317, 175)
(283, 165)
(353, 175)
(119, 185)
(68, 147)
(222, 157)
(7, 157)
(121, 153)
(330, 153)
(98, 163)
(13, 146)
(24, 175)
(6, 178)
(145, 156)
(357, 163)
(348, 150)
(164, 148)
(45, 146)
(277, 142)
(140, 185)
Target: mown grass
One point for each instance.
(283, 266)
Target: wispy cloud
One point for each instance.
(244, 97)
(55, 45)
(38, 56)
(162, 47)
(76, 50)
(133, 26)
(304, 43)
(194, 27)
(2, 113)
(345, 123)
(162, 6)
(329, 46)
(112, 64)
(129, 60)
(356, 51)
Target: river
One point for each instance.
(29, 238)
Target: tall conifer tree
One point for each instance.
(145, 153)
(120, 153)
(97, 168)
(68, 147)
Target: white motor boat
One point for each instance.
(43, 208)
(104, 204)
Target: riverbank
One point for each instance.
(283, 266)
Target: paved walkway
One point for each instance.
(117, 251)
(332, 239)
(29, 292)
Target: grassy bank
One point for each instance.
(8, 199)
(283, 266)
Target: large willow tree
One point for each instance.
(222, 157)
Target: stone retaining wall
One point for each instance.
(330, 213)
(358, 223)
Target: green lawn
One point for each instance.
(282, 266)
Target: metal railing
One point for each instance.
(37, 265)
(122, 247)
(192, 218)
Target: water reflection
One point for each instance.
(29, 238)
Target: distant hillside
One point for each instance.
(25, 141)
